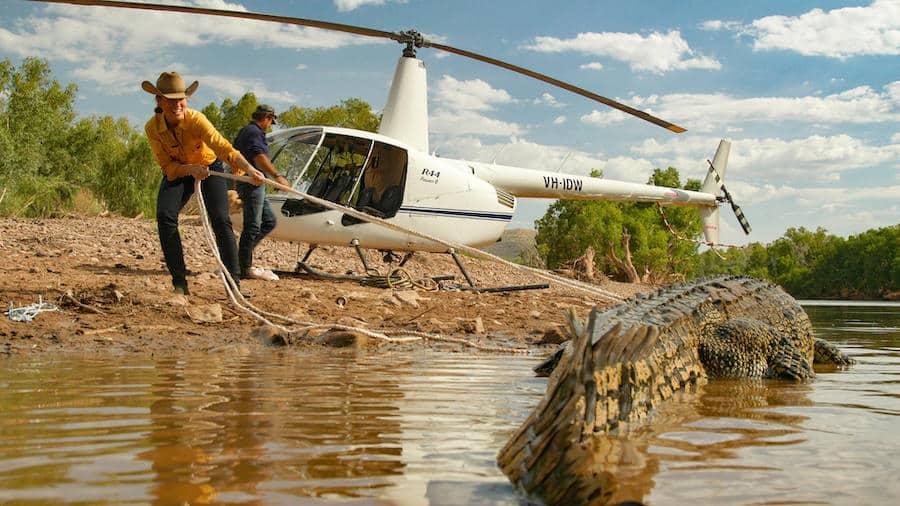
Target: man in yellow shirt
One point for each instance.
(188, 147)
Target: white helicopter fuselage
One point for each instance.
(456, 201)
(439, 200)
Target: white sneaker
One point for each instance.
(265, 274)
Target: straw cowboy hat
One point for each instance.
(170, 85)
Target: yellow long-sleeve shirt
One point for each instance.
(193, 141)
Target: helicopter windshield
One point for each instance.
(292, 154)
(345, 169)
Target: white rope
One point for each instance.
(27, 313)
(238, 299)
(578, 285)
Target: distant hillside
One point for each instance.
(513, 243)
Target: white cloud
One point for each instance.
(229, 87)
(591, 66)
(460, 108)
(349, 5)
(719, 25)
(559, 120)
(519, 152)
(57, 32)
(548, 100)
(705, 112)
(114, 77)
(839, 33)
(472, 95)
(656, 52)
(813, 160)
(455, 123)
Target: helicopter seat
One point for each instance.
(339, 187)
(391, 200)
(366, 195)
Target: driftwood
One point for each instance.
(625, 265)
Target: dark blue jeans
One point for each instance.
(173, 195)
(259, 220)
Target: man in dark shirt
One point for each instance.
(259, 219)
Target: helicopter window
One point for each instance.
(380, 191)
(292, 155)
(333, 172)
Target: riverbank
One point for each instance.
(107, 277)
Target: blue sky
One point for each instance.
(808, 92)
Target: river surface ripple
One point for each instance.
(287, 427)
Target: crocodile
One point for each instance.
(628, 359)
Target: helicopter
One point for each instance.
(390, 174)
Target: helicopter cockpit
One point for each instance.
(365, 174)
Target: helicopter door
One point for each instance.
(381, 188)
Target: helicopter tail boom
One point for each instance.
(543, 184)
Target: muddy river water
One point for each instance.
(288, 427)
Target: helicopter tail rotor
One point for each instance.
(715, 184)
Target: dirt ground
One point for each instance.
(107, 278)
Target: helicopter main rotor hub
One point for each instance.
(412, 39)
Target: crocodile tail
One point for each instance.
(609, 376)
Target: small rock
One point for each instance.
(535, 314)
(470, 325)
(409, 297)
(553, 335)
(205, 313)
(205, 278)
(436, 324)
(269, 335)
(343, 339)
(178, 300)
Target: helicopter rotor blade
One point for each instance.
(325, 25)
(561, 84)
(408, 37)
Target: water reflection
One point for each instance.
(285, 427)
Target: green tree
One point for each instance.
(35, 120)
(234, 118)
(350, 113)
(128, 175)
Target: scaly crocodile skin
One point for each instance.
(633, 356)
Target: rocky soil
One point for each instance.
(107, 278)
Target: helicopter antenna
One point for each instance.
(563, 162)
(499, 151)
(410, 38)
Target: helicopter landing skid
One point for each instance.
(474, 288)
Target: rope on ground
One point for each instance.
(577, 285)
(27, 313)
(238, 299)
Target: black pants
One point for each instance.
(173, 195)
